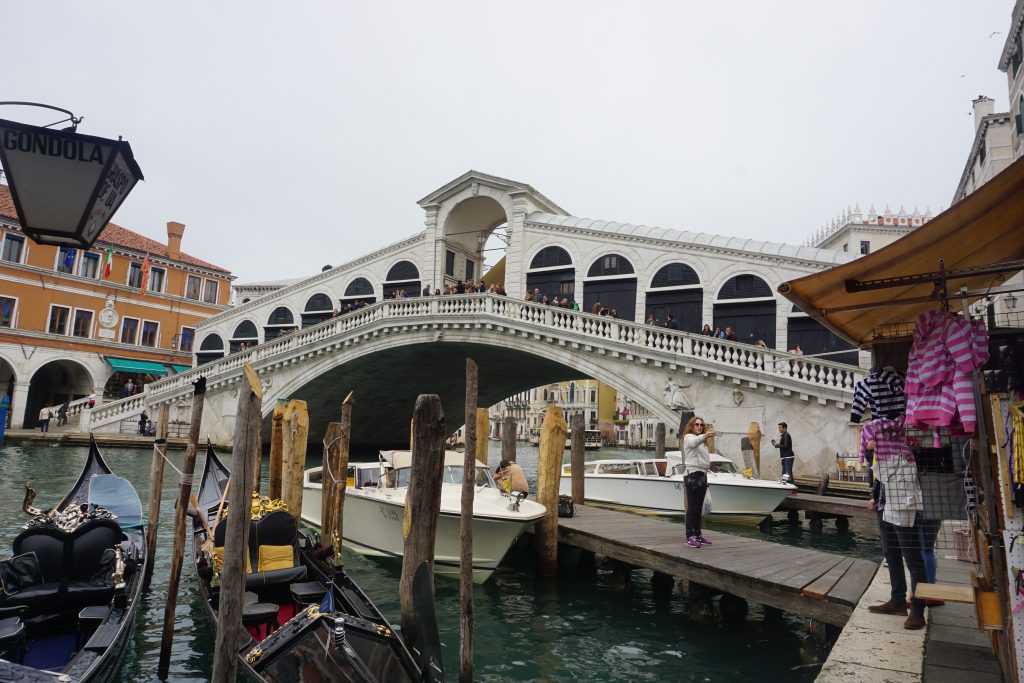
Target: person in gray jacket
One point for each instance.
(697, 461)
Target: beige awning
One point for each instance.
(984, 229)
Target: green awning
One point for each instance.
(178, 369)
(135, 365)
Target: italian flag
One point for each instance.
(108, 263)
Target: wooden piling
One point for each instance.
(549, 470)
(483, 432)
(576, 458)
(245, 451)
(748, 456)
(508, 438)
(188, 470)
(469, 465)
(659, 440)
(422, 505)
(156, 489)
(296, 436)
(754, 434)
(335, 479)
(276, 467)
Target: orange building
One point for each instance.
(71, 326)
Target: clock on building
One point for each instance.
(108, 316)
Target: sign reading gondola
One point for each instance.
(66, 186)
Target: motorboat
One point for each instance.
(655, 486)
(74, 583)
(304, 618)
(375, 508)
(591, 440)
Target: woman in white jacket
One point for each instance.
(697, 461)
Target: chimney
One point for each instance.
(174, 232)
(983, 106)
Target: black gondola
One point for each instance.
(304, 619)
(72, 587)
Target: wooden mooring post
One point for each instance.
(483, 434)
(296, 437)
(245, 451)
(508, 438)
(576, 458)
(469, 465)
(659, 440)
(754, 434)
(335, 477)
(188, 470)
(275, 472)
(549, 472)
(156, 489)
(422, 506)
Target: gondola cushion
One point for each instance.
(219, 536)
(19, 573)
(275, 540)
(276, 557)
(48, 545)
(92, 547)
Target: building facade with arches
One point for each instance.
(634, 270)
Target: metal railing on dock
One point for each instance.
(808, 583)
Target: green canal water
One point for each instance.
(576, 627)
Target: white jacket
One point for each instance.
(695, 453)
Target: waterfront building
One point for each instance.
(992, 149)
(75, 322)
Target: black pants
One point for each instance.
(902, 544)
(696, 487)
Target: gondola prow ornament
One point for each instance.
(66, 186)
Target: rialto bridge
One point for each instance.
(392, 351)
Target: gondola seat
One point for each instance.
(272, 551)
(12, 639)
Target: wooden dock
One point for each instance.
(809, 583)
(830, 506)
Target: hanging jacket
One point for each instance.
(880, 392)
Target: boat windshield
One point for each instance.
(724, 467)
(451, 475)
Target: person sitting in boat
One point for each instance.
(510, 477)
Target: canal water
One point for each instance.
(578, 626)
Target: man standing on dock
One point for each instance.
(785, 445)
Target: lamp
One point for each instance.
(66, 187)
(1011, 301)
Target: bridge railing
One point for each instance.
(801, 369)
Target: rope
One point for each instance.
(184, 479)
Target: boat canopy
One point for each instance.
(400, 459)
(117, 495)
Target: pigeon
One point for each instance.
(993, 34)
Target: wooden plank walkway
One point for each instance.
(809, 583)
(828, 505)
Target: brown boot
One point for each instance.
(888, 608)
(914, 622)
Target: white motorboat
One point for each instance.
(375, 509)
(655, 486)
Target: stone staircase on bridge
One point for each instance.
(743, 365)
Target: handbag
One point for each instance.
(566, 508)
(708, 506)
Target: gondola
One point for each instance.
(304, 619)
(73, 584)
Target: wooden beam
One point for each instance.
(156, 489)
(469, 465)
(549, 474)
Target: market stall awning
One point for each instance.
(135, 365)
(178, 369)
(984, 229)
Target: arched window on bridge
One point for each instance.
(318, 309)
(813, 338)
(358, 292)
(676, 289)
(746, 304)
(245, 336)
(612, 281)
(211, 349)
(552, 273)
(281, 321)
(402, 277)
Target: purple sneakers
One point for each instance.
(693, 542)
(702, 540)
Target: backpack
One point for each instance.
(565, 506)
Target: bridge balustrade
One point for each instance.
(550, 319)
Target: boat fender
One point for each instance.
(565, 506)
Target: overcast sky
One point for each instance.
(287, 136)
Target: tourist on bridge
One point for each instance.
(44, 419)
(650, 320)
(718, 333)
(785, 445)
(143, 423)
(697, 461)
(729, 334)
(707, 332)
(670, 322)
(62, 412)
